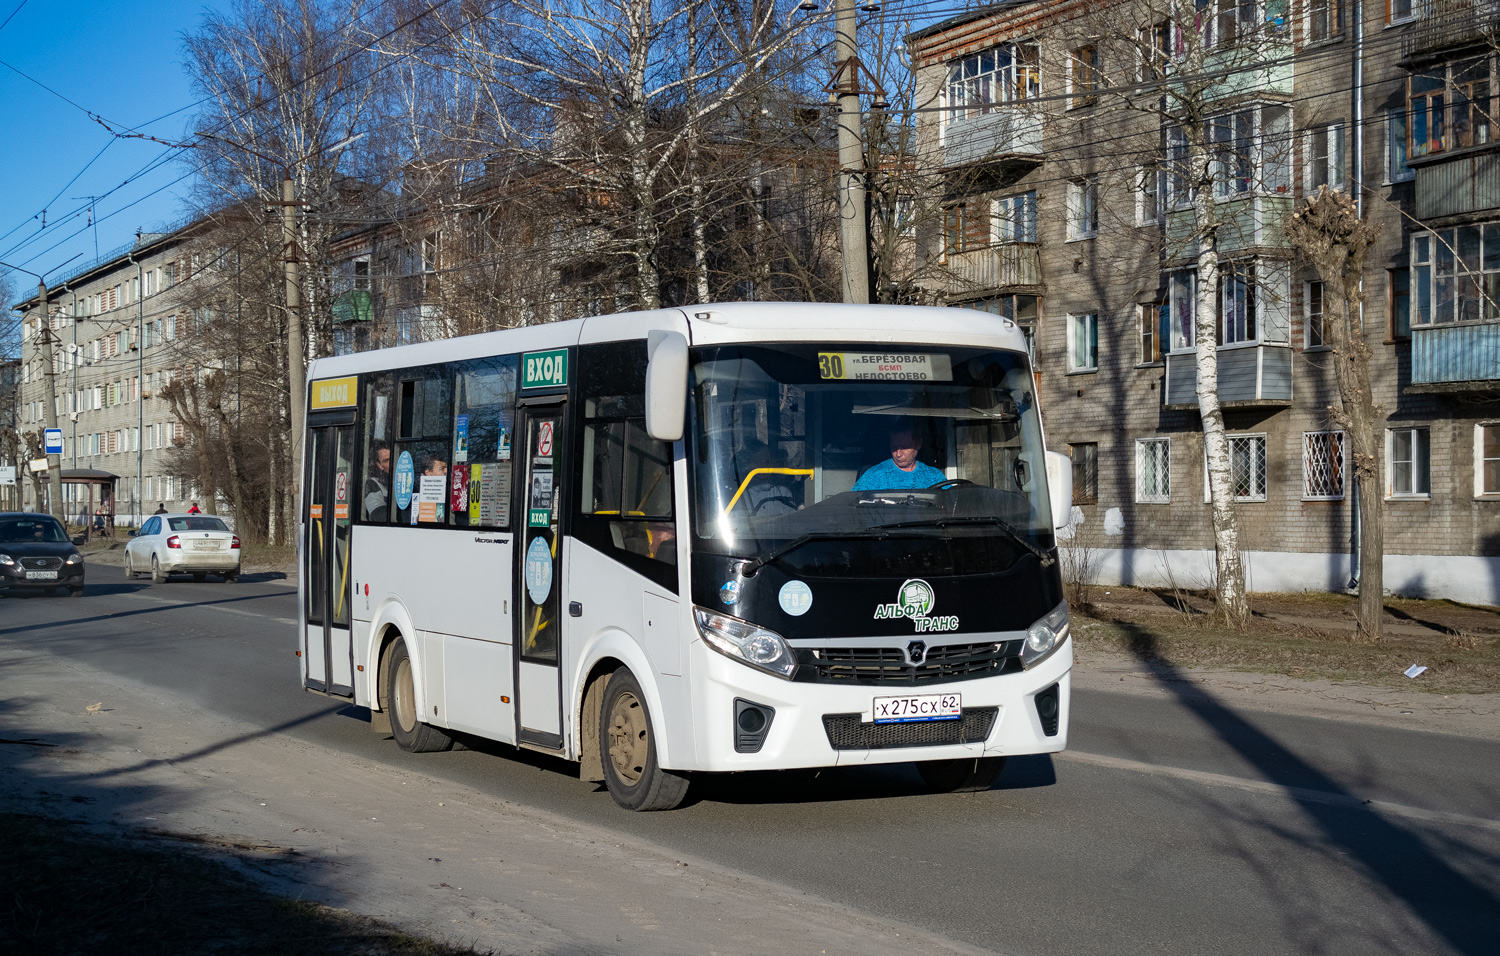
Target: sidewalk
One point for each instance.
(432, 857)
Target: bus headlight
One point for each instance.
(1045, 636)
(746, 642)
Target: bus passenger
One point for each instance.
(901, 470)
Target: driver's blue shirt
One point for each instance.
(887, 475)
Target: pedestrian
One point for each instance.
(161, 509)
(99, 521)
(193, 508)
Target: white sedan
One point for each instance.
(195, 544)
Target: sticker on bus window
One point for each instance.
(494, 496)
(476, 479)
(543, 369)
(461, 438)
(458, 490)
(885, 367)
(406, 474)
(538, 569)
(795, 598)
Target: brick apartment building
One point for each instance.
(1061, 211)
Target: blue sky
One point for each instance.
(121, 61)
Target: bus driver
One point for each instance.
(901, 470)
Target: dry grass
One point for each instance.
(69, 890)
(1304, 635)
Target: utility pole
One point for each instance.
(54, 462)
(852, 232)
(295, 350)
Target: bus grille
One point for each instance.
(41, 564)
(888, 665)
(848, 732)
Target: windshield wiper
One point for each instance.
(754, 564)
(1009, 529)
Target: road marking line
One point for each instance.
(1300, 794)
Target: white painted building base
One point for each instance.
(1467, 578)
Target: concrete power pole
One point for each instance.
(852, 235)
(295, 349)
(54, 462)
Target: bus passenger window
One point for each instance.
(484, 399)
(420, 473)
(378, 459)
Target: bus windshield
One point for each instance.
(795, 444)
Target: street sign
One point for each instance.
(52, 438)
(38, 465)
(7, 474)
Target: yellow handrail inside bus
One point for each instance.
(805, 472)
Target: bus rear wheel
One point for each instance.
(412, 735)
(968, 775)
(628, 750)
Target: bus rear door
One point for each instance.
(327, 650)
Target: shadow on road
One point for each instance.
(1452, 905)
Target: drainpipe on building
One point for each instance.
(1357, 112)
(140, 378)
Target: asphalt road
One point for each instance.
(1171, 826)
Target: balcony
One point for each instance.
(1458, 183)
(1451, 25)
(1249, 376)
(996, 267)
(1456, 358)
(1007, 136)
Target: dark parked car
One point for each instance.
(35, 554)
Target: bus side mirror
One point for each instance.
(666, 384)
(1060, 488)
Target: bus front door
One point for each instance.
(327, 650)
(539, 625)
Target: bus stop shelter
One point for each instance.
(86, 491)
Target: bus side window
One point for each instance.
(625, 498)
(422, 455)
(484, 400)
(378, 457)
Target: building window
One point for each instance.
(1085, 472)
(1154, 47)
(1232, 139)
(1325, 19)
(1150, 195)
(1182, 287)
(1396, 170)
(1251, 151)
(1322, 465)
(1083, 342)
(1247, 468)
(1325, 157)
(1020, 309)
(1083, 76)
(1153, 471)
(1486, 459)
(1153, 320)
(1398, 10)
(1449, 107)
(966, 227)
(1455, 275)
(1253, 302)
(1312, 323)
(1407, 462)
(1083, 208)
(1236, 304)
(985, 82)
(1400, 283)
(1015, 217)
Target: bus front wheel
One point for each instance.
(968, 775)
(412, 735)
(628, 750)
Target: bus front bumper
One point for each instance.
(828, 725)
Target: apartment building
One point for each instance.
(113, 325)
(1065, 209)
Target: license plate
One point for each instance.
(903, 710)
(41, 575)
(205, 545)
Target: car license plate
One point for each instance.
(41, 575)
(205, 545)
(901, 710)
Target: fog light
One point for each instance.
(1048, 707)
(751, 724)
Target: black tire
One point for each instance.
(232, 577)
(968, 775)
(158, 576)
(627, 749)
(412, 735)
(75, 592)
(129, 568)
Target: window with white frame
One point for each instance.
(1455, 275)
(986, 82)
(1083, 342)
(1396, 170)
(1250, 151)
(1325, 19)
(1247, 468)
(1398, 10)
(1252, 299)
(1182, 287)
(1153, 320)
(1408, 471)
(1150, 195)
(1015, 217)
(1312, 320)
(1487, 459)
(1083, 208)
(1153, 470)
(1322, 465)
(1325, 157)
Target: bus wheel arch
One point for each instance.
(401, 699)
(590, 763)
(628, 749)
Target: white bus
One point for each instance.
(715, 539)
